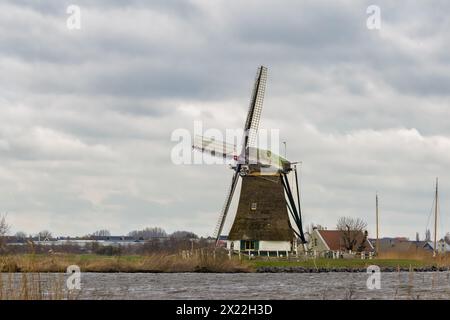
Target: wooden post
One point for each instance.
(378, 239)
(436, 217)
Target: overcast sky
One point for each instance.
(87, 115)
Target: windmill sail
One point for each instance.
(254, 111)
(292, 207)
(226, 206)
(214, 147)
(252, 163)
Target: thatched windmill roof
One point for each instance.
(262, 213)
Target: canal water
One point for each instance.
(339, 285)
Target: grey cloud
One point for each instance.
(364, 110)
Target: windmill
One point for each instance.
(262, 219)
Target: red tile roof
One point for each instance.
(335, 241)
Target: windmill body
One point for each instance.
(262, 224)
(262, 221)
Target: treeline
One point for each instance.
(156, 232)
(151, 246)
(146, 241)
(144, 234)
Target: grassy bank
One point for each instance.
(341, 263)
(199, 262)
(386, 260)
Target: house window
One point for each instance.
(253, 207)
(315, 242)
(249, 245)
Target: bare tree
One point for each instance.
(313, 226)
(428, 235)
(4, 229)
(183, 235)
(353, 232)
(447, 238)
(102, 233)
(4, 226)
(44, 235)
(20, 235)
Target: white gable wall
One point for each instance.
(264, 245)
(236, 244)
(274, 246)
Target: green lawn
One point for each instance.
(261, 262)
(101, 263)
(339, 263)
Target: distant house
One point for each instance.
(401, 245)
(14, 240)
(80, 241)
(327, 242)
(222, 241)
(111, 238)
(442, 246)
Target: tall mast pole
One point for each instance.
(376, 212)
(436, 199)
